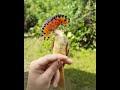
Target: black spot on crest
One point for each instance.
(62, 15)
(47, 38)
(46, 23)
(44, 38)
(53, 17)
(68, 20)
(59, 16)
(56, 16)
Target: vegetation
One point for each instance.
(81, 33)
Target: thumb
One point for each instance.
(49, 73)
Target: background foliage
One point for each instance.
(82, 13)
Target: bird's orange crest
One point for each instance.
(52, 23)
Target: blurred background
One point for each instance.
(81, 33)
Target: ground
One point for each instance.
(81, 75)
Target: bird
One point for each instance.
(60, 45)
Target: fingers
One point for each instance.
(56, 79)
(49, 73)
(53, 57)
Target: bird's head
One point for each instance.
(58, 32)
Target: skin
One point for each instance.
(45, 71)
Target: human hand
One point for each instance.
(45, 71)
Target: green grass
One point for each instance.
(81, 75)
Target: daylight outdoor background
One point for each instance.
(81, 75)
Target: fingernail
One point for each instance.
(55, 85)
(70, 60)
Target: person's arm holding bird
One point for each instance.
(42, 71)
